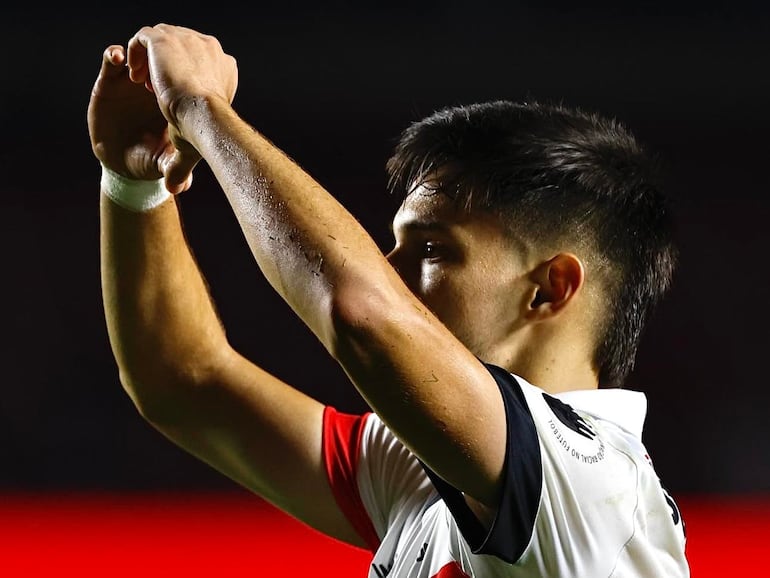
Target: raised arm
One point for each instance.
(171, 350)
(416, 375)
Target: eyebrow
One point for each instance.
(422, 225)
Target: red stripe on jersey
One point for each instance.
(341, 449)
(451, 570)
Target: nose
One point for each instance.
(400, 262)
(393, 259)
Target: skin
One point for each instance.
(406, 328)
(493, 291)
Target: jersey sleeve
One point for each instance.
(514, 522)
(377, 482)
(341, 451)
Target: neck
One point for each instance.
(554, 366)
(560, 378)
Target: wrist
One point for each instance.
(194, 114)
(134, 195)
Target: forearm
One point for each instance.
(162, 326)
(309, 247)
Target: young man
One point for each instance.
(490, 343)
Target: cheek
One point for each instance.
(448, 295)
(434, 281)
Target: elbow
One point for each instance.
(360, 322)
(162, 392)
(152, 397)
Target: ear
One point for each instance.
(556, 282)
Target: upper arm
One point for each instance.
(430, 390)
(506, 530)
(263, 434)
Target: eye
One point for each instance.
(431, 250)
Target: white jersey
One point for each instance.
(580, 495)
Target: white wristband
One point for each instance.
(133, 194)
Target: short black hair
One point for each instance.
(557, 173)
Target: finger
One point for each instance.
(113, 59)
(138, 65)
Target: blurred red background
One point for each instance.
(234, 535)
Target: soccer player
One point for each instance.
(491, 343)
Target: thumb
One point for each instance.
(177, 167)
(179, 187)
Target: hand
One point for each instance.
(181, 67)
(128, 132)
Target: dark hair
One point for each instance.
(557, 174)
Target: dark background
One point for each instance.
(333, 84)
